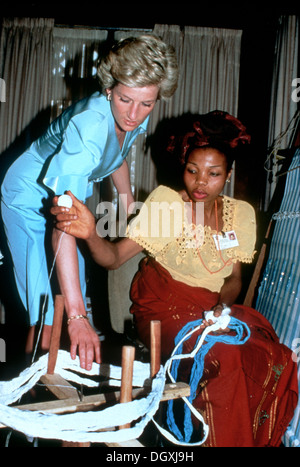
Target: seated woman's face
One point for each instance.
(131, 106)
(205, 174)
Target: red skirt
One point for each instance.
(248, 393)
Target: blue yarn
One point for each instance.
(198, 366)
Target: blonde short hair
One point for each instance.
(138, 62)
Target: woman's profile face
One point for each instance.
(131, 106)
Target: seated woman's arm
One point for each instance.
(231, 288)
(228, 294)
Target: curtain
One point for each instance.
(284, 113)
(210, 64)
(75, 56)
(44, 69)
(279, 292)
(25, 70)
(25, 67)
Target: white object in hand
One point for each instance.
(65, 201)
(220, 322)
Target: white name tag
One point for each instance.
(225, 241)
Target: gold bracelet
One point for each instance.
(76, 317)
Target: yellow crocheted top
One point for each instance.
(191, 255)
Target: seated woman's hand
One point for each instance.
(77, 220)
(84, 339)
(217, 312)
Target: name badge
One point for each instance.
(225, 241)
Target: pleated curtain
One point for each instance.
(25, 66)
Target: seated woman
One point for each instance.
(248, 393)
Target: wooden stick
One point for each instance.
(128, 354)
(155, 330)
(61, 388)
(257, 271)
(73, 404)
(55, 333)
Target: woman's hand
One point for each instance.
(77, 221)
(217, 309)
(84, 338)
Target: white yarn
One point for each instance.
(46, 297)
(65, 200)
(80, 427)
(85, 426)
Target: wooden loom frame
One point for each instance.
(69, 399)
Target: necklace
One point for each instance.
(225, 263)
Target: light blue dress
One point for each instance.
(80, 147)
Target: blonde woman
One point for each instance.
(87, 143)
